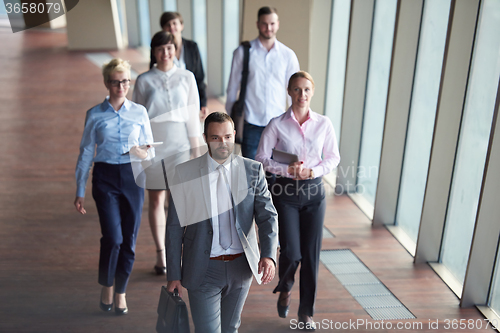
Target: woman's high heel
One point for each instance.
(105, 307)
(121, 311)
(160, 270)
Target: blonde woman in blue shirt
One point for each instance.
(113, 132)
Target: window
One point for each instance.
(422, 115)
(495, 290)
(473, 142)
(170, 5)
(144, 27)
(199, 8)
(121, 17)
(337, 56)
(376, 98)
(3, 10)
(231, 38)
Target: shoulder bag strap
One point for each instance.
(244, 72)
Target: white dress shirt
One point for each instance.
(314, 143)
(266, 94)
(213, 176)
(170, 96)
(181, 62)
(173, 95)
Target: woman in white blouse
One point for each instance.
(170, 95)
(298, 192)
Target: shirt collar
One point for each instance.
(290, 115)
(182, 52)
(213, 165)
(106, 105)
(258, 44)
(126, 105)
(167, 73)
(276, 45)
(178, 62)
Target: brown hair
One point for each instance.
(169, 16)
(266, 11)
(160, 38)
(217, 117)
(302, 74)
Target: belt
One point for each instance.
(227, 257)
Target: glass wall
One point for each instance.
(473, 142)
(121, 16)
(3, 6)
(376, 97)
(337, 56)
(144, 27)
(170, 5)
(495, 288)
(231, 36)
(199, 8)
(422, 115)
(13, 19)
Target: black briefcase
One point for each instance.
(172, 313)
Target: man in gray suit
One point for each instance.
(211, 227)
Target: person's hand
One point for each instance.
(266, 266)
(295, 168)
(305, 173)
(79, 201)
(195, 147)
(175, 284)
(140, 151)
(195, 152)
(298, 172)
(203, 113)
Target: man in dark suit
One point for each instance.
(211, 241)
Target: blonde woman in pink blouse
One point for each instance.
(298, 192)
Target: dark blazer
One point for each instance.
(189, 227)
(192, 58)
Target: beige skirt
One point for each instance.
(175, 149)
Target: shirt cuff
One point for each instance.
(318, 171)
(80, 192)
(151, 154)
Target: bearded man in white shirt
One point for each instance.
(270, 66)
